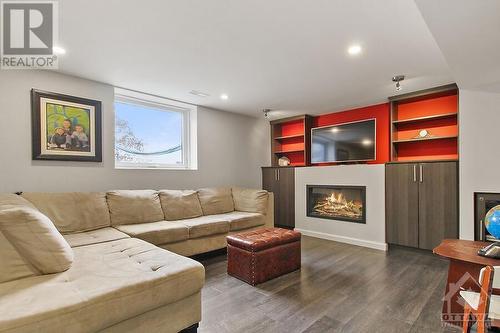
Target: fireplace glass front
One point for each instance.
(337, 202)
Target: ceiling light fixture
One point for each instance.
(266, 113)
(58, 50)
(354, 49)
(199, 93)
(398, 79)
(224, 97)
(335, 130)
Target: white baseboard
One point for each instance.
(343, 239)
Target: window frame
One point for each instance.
(189, 128)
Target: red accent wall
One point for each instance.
(380, 112)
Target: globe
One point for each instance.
(492, 221)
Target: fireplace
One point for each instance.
(337, 202)
(483, 202)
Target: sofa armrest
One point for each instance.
(270, 211)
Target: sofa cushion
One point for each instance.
(178, 205)
(242, 220)
(206, 225)
(13, 266)
(36, 239)
(216, 200)
(72, 211)
(158, 233)
(134, 206)
(250, 200)
(8, 200)
(94, 236)
(108, 283)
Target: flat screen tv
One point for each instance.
(348, 142)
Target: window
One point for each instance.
(153, 132)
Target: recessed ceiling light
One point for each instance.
(58, 50)
(224, 97)
(335, 130)
(354, 49)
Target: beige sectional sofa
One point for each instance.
(110, 271)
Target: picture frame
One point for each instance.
(65, 128)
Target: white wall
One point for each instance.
(371, 234)
(479, 124)
(231, 147)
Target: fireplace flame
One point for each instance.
(336, 204)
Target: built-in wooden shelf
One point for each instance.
(425, 118)
(426, 139)
(434, 110)
(289, 137)
(289, 151)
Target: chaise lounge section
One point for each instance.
(122, 278)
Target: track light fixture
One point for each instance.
(398, 79)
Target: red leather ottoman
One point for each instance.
(263, 254)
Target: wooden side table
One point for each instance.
(463, 274)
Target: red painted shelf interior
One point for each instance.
(437, 115)
(289, 141)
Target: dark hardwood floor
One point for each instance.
(340, 288)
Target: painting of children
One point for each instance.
(66, 127)
(69, 130)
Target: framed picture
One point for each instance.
(65, 128)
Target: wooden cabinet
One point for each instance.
(281, 181)
(421, 203)
(402, 204)
(438, 203)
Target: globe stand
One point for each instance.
(490, 251)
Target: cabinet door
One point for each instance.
(438, 203)
(286, 201)
(401, 204)
(270, 183)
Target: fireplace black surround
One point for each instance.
(483, 202)
(337, 202)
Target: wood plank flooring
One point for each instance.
(340, 288)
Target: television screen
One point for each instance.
(344, 142)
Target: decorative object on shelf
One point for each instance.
(422, 134)
(65, 128)
(492, 224)
(398, 79)
(492, 221)
(284, 161)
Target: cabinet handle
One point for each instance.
(421, 173)
(278, 174)
(414, 173)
